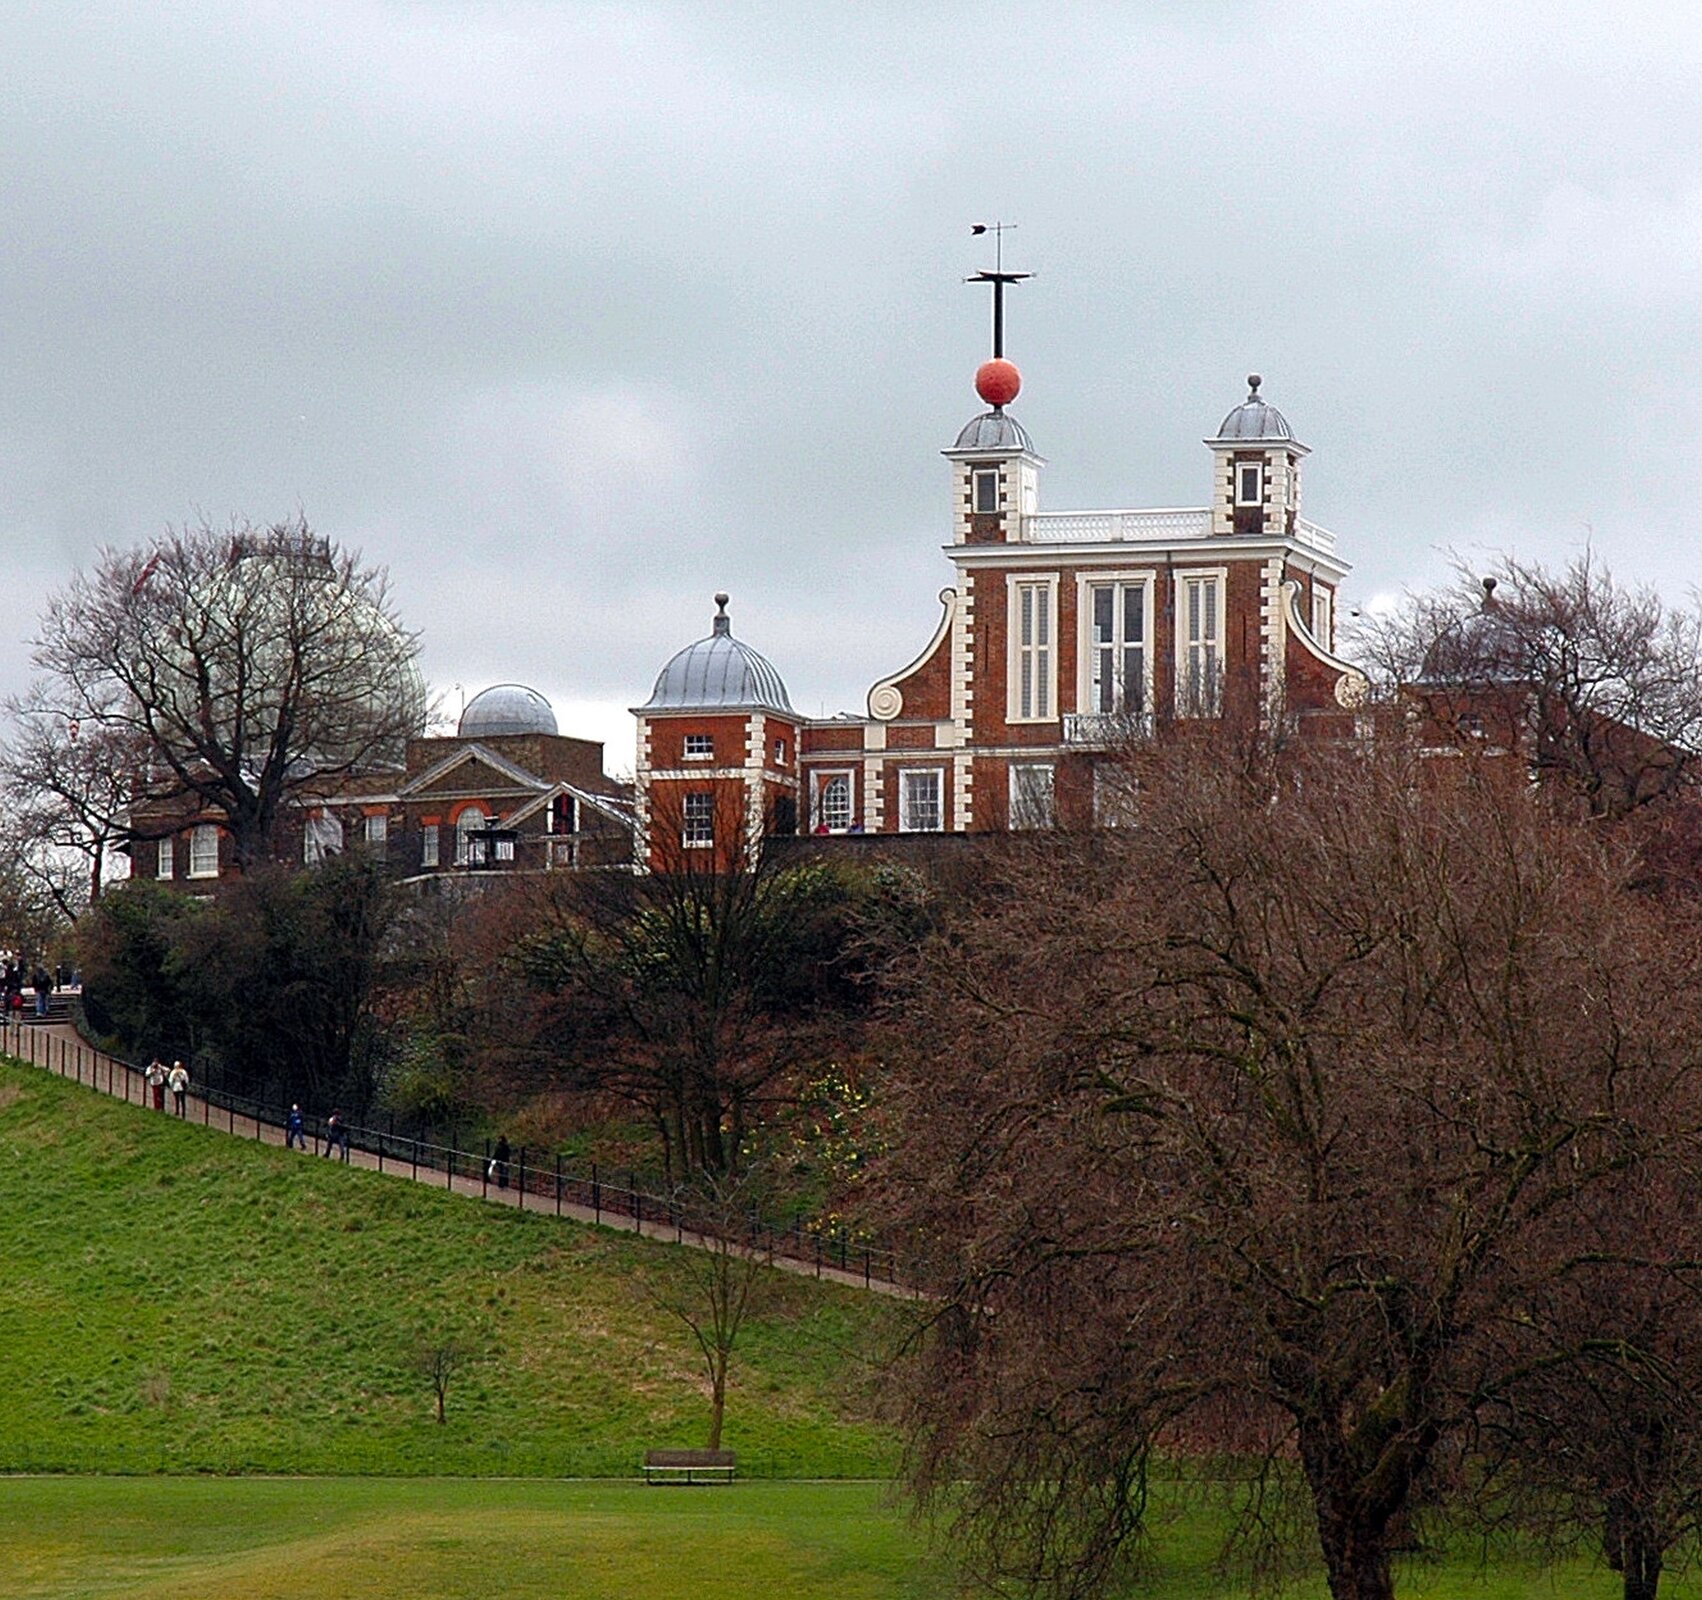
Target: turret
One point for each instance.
(1255, 470)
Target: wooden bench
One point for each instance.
(689, 1466)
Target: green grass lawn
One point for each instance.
(173, 1300)
(399, 1539)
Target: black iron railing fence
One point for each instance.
(585, 1190)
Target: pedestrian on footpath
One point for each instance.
(336, 1135)
(499, 1161)
(156, 1076)
(179, 1081)
(294, 1130)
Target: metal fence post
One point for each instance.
(520, 1172)
(485, 1172)
(558, 1183)
(596, 1196)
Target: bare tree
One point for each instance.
(1595, 1437)
(1246, 1129)
(438, 1362)
(71, 791)
(1597, 686)
(255, 666)
(712, 1288)
(700, 994)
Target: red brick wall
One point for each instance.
(667, 740)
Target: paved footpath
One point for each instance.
(58, 1047)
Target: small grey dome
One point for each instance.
(719, 673)
(506, 708)
(994, 430)
(1254, 419)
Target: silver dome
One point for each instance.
(994, 430)
(506, 708)
(719, 673)
(1253, 419)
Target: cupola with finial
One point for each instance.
(995, 471)
(1255, 470)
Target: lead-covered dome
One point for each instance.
(719, 674)
(1254, 419)
(994, 430)
(504, 709)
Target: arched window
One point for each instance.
(469, 852)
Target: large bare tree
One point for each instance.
(70, 806)
(1246, 1129)
(254, 666)
(1596, 685)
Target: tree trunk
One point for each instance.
(1642, 1563)
(1353, 1527)
(1356, 1557)
(717, 1402)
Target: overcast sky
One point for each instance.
(572, 314)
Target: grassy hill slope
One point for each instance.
(175, 1300)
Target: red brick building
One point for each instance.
(1066, 637)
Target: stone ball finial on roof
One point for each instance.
(1255, 419)
(719, 673)
(504, 709)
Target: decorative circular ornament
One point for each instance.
(885, 702)
(998, 382)
(1353, 689)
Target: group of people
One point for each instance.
(177, 1080)
(336, 1133)
(13, 983)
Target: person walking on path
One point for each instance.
(336, 1135)
(179, 1081)
(156, 1076)
(499, 1161)
(294, 1130)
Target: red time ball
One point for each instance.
(998, 382)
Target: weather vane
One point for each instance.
(998, 277)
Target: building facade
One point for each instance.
(1066, 639)
(506, 792)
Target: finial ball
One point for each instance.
(722, 599)
(998, 382)
(1253, 382)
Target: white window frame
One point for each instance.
(979, 478)
(165, 865)
(1086, 583)
(819, 783)
(463, 849)
(1323, 615)
(1037, 653)
(204, 850)
(323, 836)
(1116, 796)
(1033, 803)
(780, 752)
(697, 820)
(428, 844)
(1242, 468)
(907, 819)
(705, 747)
(1210, 703)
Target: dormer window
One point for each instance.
(699, 747)
(986, 484)
(1249, 483)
